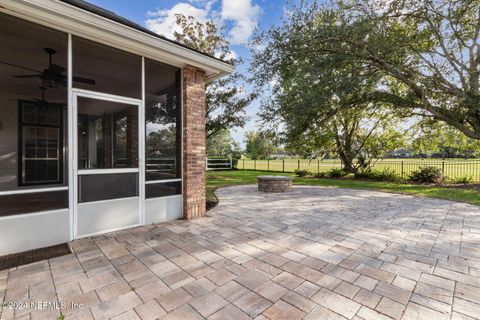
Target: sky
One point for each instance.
(240, 17)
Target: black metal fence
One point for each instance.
(452, 169)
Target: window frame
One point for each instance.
(21, 145)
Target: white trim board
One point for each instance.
(107, 171)
(33, 214)
(163, 181)
(32, 190)
(107, 231)
(165, 197)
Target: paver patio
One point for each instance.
(315, 253)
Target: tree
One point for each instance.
(426, 53)
(222, 144)
(319, 102)
(259, 145)
(357, 137)
(161, 143)
(428, 138)
(226, 98)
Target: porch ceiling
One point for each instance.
(79, 21)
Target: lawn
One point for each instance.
(452, 168)
(216, 179)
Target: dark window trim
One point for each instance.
(20, 144)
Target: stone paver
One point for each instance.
(313, 253)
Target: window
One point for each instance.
(163, 141)
(41, 141)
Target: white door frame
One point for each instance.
(73, 132)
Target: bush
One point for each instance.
(302, 172)
(463, 179)
(321, 174)
(364, 173)
(337, 173)
(380, 175)
(384, 175)
(427, 174)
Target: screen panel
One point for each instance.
(163, 140)
(33, 202)
(107, 134)
(33, 100)
(97, 187)
(101, 68)
(154, 190)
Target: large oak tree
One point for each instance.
(226, 98)
(424, 57)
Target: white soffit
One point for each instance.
(68, 18)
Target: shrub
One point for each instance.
(364, 173)
(302, 172)
(427, 174)
(321, 174)
(337, 173)
(463, 179)
(386, 174)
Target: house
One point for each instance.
(101, 124)
(399, 153)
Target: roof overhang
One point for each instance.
(79, 22)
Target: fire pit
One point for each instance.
(274, 183)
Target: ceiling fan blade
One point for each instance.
(84, 80)
(28, 76)
(18, 66)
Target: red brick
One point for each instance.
(194, 150)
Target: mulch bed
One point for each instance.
(22, 258)
(473, 186)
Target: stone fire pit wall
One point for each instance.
(274, 183)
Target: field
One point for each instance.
(452, 168)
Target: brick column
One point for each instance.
(194, 150)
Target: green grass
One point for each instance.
(217, 179)
(453, 168)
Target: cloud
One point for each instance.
(231, 55)
(244, 16)
(163, 21)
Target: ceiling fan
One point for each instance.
(52, 76)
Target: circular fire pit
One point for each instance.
(274, 183)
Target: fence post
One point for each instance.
(298, 164)
(283, 165)
(231, 163)
(318, 165)
(268, 164)
(402, 169)
(443, 167)
(243, 163)
(254, 164)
